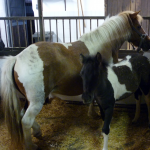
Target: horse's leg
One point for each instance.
(147, 100)
(106, 127)
(91, 112)
(36, 130)
(138, 97)
(28, 122)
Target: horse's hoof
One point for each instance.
(134, 121)
(94, 116)
(32, 147)
(38, 135)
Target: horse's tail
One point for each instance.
(11, 103)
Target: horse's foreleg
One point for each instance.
(106, 127)
(28, 122)
(147, 100)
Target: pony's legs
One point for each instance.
(28, 122)
(138, 109)
(106, 127)
(147, 100)
(105, 146)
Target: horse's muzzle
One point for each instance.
(87, 98)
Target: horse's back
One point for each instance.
(51, 66)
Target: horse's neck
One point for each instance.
(107, 37)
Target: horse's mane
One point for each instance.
(115, 27)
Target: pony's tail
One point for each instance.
(11, 103)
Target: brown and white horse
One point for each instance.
(44, 68)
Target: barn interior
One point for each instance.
(65, 125)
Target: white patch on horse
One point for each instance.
(119, 89)
(66, 44)
(124, 63)
(29, 67)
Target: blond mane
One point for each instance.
(110, 35)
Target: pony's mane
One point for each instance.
(114, 28)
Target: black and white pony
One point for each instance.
(108, 83)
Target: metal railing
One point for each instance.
(20, 31)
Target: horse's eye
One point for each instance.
(139, 27)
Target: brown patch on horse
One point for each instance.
(62, 67)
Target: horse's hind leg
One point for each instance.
(28, 122)
(36, 130)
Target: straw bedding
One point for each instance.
(67, 127)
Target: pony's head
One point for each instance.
(138, 36)
(90, 73)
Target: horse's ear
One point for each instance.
(134, 15)
(99, 57)
(82, 57)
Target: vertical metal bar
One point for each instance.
(50, 34)
(76, 29)
(41, 21)
(12, 33)
(97, 23)
(90, 25)
(83, 27)
(31, 31)
(37, 29)
(70, 28)
(63, 31)
(6, 32)
(18, 33)
(24, 32)
(57, 30)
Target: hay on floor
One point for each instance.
(67, 127)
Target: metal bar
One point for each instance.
(70, 28)
(12, 34)
(24, 32)
(50, 29)
(90, 25)
(6, 32)
(18, 33)
(97, 23)
(31, 31)
(76, 29)
(83, 27)
(41, 21)
(57, 30)
(63, 31)
(37, 29)
(56, 17)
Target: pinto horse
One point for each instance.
(53, 68)
(108, 83)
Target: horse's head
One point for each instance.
(138, 37)
(90, 76)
